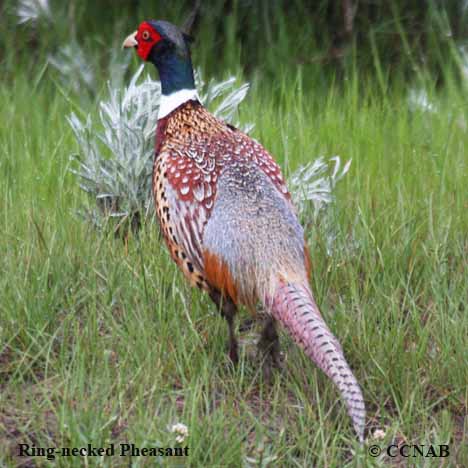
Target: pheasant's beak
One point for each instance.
(130, 41)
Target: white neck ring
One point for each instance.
(172, 101)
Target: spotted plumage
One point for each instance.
(187, 167)
(228, 220)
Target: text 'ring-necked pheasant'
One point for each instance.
(228, 219)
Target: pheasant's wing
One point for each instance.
(184, 197)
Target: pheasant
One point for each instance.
(227, 217)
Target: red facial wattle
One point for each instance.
(146, 37)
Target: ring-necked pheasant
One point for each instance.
(228, 219)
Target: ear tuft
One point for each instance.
(191, 22)
(188, 38)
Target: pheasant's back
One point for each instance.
(255, 232)
(223, 205)
(200, 146)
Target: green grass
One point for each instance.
(102, 341)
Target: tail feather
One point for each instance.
(293, 305)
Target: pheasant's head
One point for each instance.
(153, 39)
(167, 47)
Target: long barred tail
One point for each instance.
(294, 306)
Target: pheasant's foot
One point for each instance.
(246, 325)
(271, 362)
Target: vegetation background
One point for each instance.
(100, 339)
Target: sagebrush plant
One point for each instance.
(77, 71)
(312, 184)
(115, 159)
(32, 11)
(311, 187)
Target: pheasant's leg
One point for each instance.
(247, 324)
(269, 349)
(228, 310)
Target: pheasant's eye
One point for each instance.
(145, 35)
